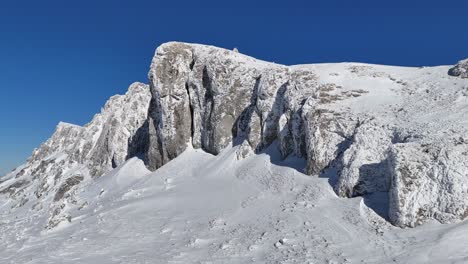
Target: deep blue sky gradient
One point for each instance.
(60, 61)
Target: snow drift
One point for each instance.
(395, 136)
(359, 120)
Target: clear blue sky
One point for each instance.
(61, 61)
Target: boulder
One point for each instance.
(460, 69)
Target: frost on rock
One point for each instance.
(429, 181)
(211, 98)
(460, 69)
(342, 120)
(244, 151)
(365, 166)
(75, 154)
(368, 128)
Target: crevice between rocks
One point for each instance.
(207, 131)
(192, 118)
(240, 129)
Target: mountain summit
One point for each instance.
(395, 136)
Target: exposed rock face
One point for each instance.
(428, 181)
(369, 128)
(66, 186)
(103, 143)
(208, 97)
(460, 69)
(365, 166)
(74, 154)
(199, 93)
(211, 98)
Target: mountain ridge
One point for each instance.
(353, 123)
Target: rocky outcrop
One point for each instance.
(101, 144)
(365, 166)
(75, 154)
(429, 181)
(460, 69)
(66, 186)
(199, 93)
(211, 98)
(369, 128)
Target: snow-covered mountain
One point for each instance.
(250, 159)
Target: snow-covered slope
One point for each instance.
(354, 122)
(74, 155)
(250, 159)
(201, 208)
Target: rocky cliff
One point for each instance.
(368, 128)
(75, 155)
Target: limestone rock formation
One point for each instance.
(75, 154)
(460, 69)
(368, 128)
(211, 97)
(344, 120)
(429, 181)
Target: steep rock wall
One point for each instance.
(76, 154)
(368, 128)
(343, 122)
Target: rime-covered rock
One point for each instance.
(365, 165)
(369, 128)
(429, 181)
(199, 93)
(75, 154)
(343, 119)
(460, 69)
(211, 97)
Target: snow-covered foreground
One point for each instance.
(287, 144)
(201, 208)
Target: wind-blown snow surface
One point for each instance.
(201, 208)
(391, 139)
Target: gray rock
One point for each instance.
(356, 124)
(365, 165)
(460, 69)
(66, 186)
(429, 181)
(75, 154)
(170, 119)
(211, 98)
(204, 96)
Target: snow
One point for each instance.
(201, 208)
(390, 139)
